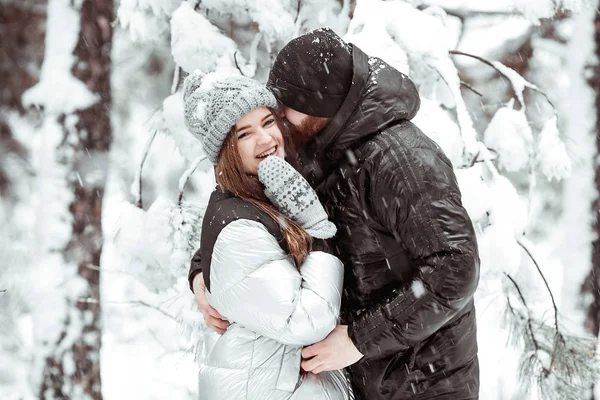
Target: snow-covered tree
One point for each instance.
(153, 227)
(592, 283)
(68, 148)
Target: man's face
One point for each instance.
(307, 126)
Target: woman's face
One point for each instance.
(258, 136)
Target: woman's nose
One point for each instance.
(263, 136)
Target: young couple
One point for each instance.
(329, 140)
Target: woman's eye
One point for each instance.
(269, 122)
(243, 135)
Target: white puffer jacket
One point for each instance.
(275, 310)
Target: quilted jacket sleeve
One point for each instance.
(255, 284)
(414, 195)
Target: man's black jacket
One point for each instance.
(407, 243)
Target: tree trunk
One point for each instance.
(592, 283)
(73, 369)
(22, 46)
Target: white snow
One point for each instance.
(535, 10)
(197, 44)
(439, 125)
(490, 37)
(415, 32)
(146, 20)
(152, 326)
(554, 161)
(58, 92)
(409, 40)
(476, 196)
(417, 288)
(518, 82)
(510, 136)
(574, 246)
(172, 111)
(274, 17)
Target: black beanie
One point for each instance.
(312, 74)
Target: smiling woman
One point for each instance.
(258, 136)
(263, 263)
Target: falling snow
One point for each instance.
(150, 318)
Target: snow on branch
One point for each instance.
(526, 246)
(136, 187)
(146, 20)
(510, 135)
(534, 11)
(558, 364)
(169, 119)
(58, 91)
(551, 156)
(517, 82)
(198, 44)
(171, 235)
(185, 177)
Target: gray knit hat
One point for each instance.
(214, 102)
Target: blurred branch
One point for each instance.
(529, 321)
(140, 169)
(528, 84)
(236, 63)
(298, 5)
(105, 270)
(187, 174)
(529, 253)
(134, 302)
(465, 84)
(463, 13)
(176, 75)
(468, 152)
(486, 62)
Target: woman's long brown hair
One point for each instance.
(231, 177)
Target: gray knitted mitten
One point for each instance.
(293, 196)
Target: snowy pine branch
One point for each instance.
(517, 82)
(558, 365)
(525, 246)
(136, 187)
(185, 177)
(489, 63)
(550, 156)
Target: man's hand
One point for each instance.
(213, 319)
(336, 351)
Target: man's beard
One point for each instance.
(308, 129)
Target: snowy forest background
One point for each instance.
(102, 188)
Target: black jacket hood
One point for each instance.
(380, 96)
